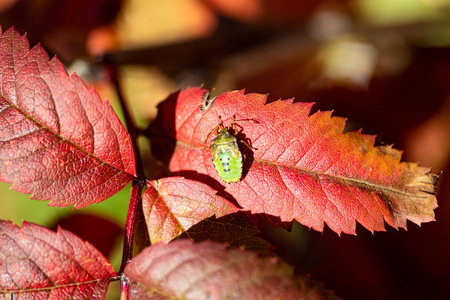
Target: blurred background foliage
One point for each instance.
(384, 64)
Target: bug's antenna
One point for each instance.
(215, 129)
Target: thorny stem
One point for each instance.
(135, 202)
(124, 289)
(136, 188)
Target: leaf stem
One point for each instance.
(135, 203)
(124, 288)
(136, 188)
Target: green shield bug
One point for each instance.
(226, 156)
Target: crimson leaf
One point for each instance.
(58, 139)
(184, 270)
(301, 166)
(172, 205)
(37, 263)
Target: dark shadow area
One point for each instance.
(237, 230)
(247, 153)
(100, 232)
(208, 180)
(162, 132)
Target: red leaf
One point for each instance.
(303, 167)
(184, 270)
(37, 263)
(58, 140)
(173, 205)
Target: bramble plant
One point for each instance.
(60, 142)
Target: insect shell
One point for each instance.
(226, 157)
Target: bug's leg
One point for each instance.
(247, 145)
(235, 127)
